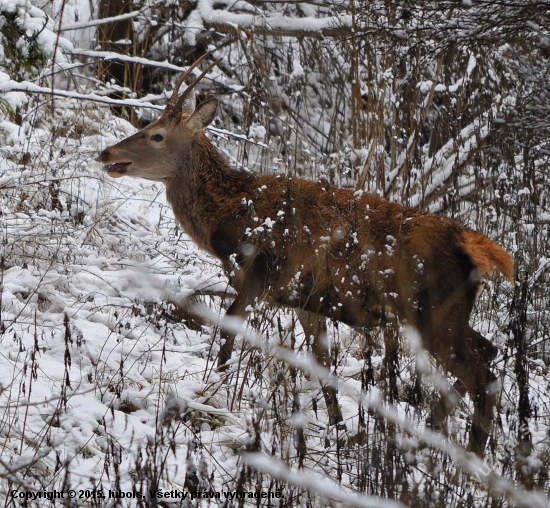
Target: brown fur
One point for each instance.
(487, 255)
(352, 257)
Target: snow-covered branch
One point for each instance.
(315, 483)
(25, 86)
(102, 21)
(273, 23)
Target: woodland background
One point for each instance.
(105, 385)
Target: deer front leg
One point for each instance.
(449, 397)
(251, 288)
(316, 326)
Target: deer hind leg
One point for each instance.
(470, 364)
(483, 388)
(315, 326)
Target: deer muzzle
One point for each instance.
(113, 169)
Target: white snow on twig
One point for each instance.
(103, 21)
(315, 483)
(274, 21)
(25, 86)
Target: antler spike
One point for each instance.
(183, 96)
(174, 99)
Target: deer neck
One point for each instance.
(202, 185)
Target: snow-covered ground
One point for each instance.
(108, 386)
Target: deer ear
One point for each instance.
(203, 115)
(188, 105)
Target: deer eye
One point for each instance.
(157, 137)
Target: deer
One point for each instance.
(328, 252)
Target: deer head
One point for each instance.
(156, 152)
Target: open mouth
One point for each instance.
(117, 167)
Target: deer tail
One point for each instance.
(486, 254)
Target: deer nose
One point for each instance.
(103, 156)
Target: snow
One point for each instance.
(34, 21)
(100, 379)
(275, 21)
(325, 486)
(297, 69)
(9, 85)
(257, 132)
